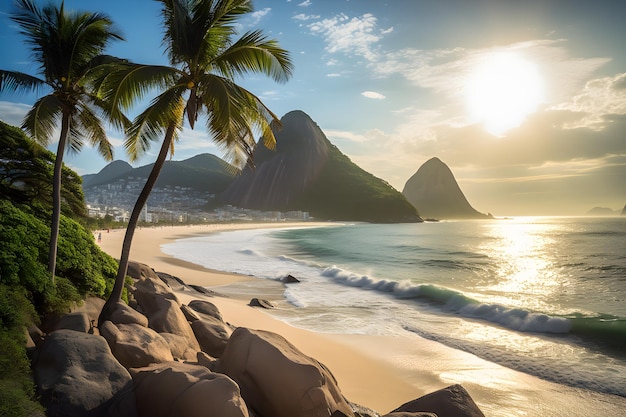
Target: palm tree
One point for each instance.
(205, 59)
(68, 47)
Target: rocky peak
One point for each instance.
(433, 190)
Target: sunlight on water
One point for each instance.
(524, 259)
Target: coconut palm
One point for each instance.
(205, 58)
(68, 48)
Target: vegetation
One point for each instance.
(27, 295)
(68, 48)
(204, 60)
(343, 191)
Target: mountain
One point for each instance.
(108, 174)
(624, 211)
(307, 172)
(433, 190)
(204, 172)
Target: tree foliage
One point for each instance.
(26, 175)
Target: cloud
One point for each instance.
(305, 3)
(305, 17)
(345, 135)
(446, 71)
(13, 113)
(256, 17)
(373, 94)
(602, 101)
(352, 36)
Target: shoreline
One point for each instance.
(380, 372)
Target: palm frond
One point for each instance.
(42, 118)
(13, 81)
(87, 122)
(254, 52)
(122, 84)
(235, 115)
(149, 126)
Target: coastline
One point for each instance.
(379, 372)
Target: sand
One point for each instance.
(379, 372)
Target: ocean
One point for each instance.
(542, 295)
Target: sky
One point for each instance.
(525, 101)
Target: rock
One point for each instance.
(206, 360)
(202, 290)
(124, 314)
(179, 346)
(173, 282)
(36, 335)
(75, 321)
(278, 380)
(178, 389)
(136, 346)
(138, 270)
(76, 375)
(169, 318)
(148, 291)
(257, 302)
(453, 401)
(290, 279)
(207, 308)
(92, 306)
(212, 335)
(190, 314)
(409, 414)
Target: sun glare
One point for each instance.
(502, 90)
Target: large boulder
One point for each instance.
(169, 318)
(78, 321)
(453, 401)
(179, 346)
(149, 291)
(212, 335)
(76, 375)
(278, 380)
(207, 308)
(179, 389)
(136, 346)
(138, 270)
(124, 314)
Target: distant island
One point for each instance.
(605, 211)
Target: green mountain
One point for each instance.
(433, 190)
(204, 172)
(307, 172)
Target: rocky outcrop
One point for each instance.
(76, 375)
(451, 401)
(308, 173)
(278, 380)
(136, 346)
(237, 373)
(624, 211)
(178, 389)
(433, 190)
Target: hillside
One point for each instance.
(204, 172)
(307, 172)
(433, 190)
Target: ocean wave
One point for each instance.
(603, 329)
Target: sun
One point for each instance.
(502, 90)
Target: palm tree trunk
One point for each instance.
(56, 196)
(116, 294)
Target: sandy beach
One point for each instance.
(379, 372)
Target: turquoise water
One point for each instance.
(546, 296)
